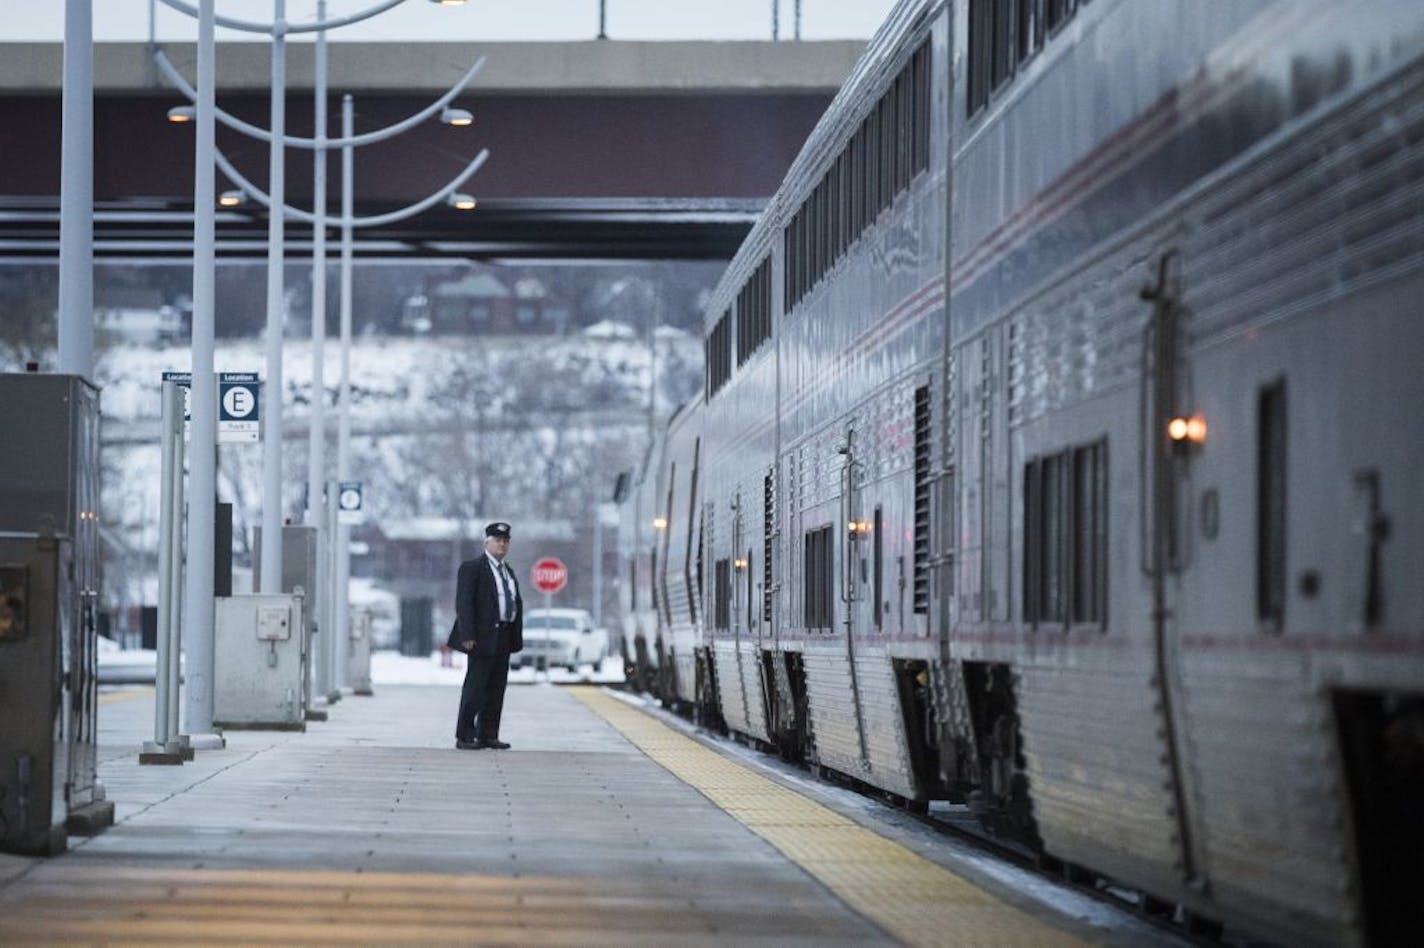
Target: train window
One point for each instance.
(977, 72)
(754, 311)
(819, 234)
(632, 584)
(1002, 43)
(904, 103)
(922, 501)
(1089, 522)
(817, 579)
(921, 86)
(1059, 11)
(717, 354)
(1271, 506)
(722, 594)
(1065, 537)
(886, 183)
(889, 148)
(1052, 562)
(1030, 27)
(1002, 34)
(872, 166)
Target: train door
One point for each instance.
(1164, 389)
(974, 394)
(853, 529)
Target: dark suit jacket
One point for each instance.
(477, 610)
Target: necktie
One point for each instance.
(508, 593)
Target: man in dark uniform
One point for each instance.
(489, 627)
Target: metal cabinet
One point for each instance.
(50, 570)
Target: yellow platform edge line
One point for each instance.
(112, 697)
(913, 899)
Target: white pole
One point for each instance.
(198, 633)
(343, 432)
(167, 534)
(175, 565)
(76, 193)
(319, 598)
(315, 459)
(270, 574)
(335, 630)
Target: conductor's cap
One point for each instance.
(497, 529)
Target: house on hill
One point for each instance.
(481, 302)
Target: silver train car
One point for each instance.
(1057, 449)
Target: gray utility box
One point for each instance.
(49, 524)
(258, 657)
(47, 742)
(358, 655)
(299, 566)
(299, 575)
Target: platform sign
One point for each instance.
(185, 382)
(348, 502)
(239, 400)
(549, 574)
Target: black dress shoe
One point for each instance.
(493, 745)
(469, 745)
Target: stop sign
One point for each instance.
(549, 574)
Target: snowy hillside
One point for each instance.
(442, 427)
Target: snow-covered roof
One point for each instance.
(611, 329)
(473, 286)
(529, 288)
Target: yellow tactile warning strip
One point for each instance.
(915, 900)
(67, 902)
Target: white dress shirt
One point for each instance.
(505, 609)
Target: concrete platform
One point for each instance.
(371, 827)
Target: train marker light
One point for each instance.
(660, 523)
(1185, 430)
(739, 564)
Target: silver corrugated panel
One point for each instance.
(828, 691)
(1272, 806)
(684, 652)
(884, 722)
(729, 685)
(1097, 771)
(752, 690)
(686, 675)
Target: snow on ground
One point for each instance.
(135, 666)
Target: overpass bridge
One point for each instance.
(599, 149)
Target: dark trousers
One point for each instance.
(482, 697)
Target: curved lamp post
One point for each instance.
(200, 545)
